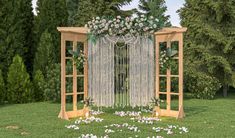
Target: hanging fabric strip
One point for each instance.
(134, 72)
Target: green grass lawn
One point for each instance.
(204, 118)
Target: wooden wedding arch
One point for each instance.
(166, 36)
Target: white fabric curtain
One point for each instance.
(141, 72)
(101, 70)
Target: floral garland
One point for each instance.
(140, 25)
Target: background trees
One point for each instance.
(19, 87)
(210, 39)
(92, 8)
(155, 8)
(16, 23)
(45, 55)
(50, 15)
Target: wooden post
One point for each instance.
(168, 84)
(62, 113)
(157, 84)
(181, 82)
(86, 70)
(74, 78)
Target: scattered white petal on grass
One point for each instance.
(88, 136)
(128, 113)
(109, 131)
(184, 129)
(169, 132)
(93, 112)
(146, 120)
(72, 127)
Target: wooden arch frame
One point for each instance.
(79, 34)
(168, 35)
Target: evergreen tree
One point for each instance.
(210, 39)
(38, 83)
(72, 6)
(19, 87)
(52, 87)
(2, 88)
(155, 8)
(87, 9)
(50, 15)
(45, 55)
(16, 23)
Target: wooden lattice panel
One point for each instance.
(168, 36)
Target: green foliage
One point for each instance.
(38, 83)
(78, 58)
(93, 8)
(45, 54)
(50, 15)
(52, 85)
(210, 39)
(72, 6)
(2, 88)
(19, 87)
(202, 85)
(155, 8)
(16, 22)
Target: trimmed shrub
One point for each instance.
(2, 88)
(52, 84)
(201, 85)
(38, 83)
(19, 87)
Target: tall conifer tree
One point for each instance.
(50, 15)
(155, 8)
(210, 38)
(92, 8)
(16, 23)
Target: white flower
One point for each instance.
(141, 24)
(142, 15)
(116, 26)
(97, 18)
(127, 19)
(151, 17)
(104, 20)
(119, 17)
(154, 26)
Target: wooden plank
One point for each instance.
(74, 78)
(70, 76)
(68, 58)
(77, 30)
(169, 113)
(168, 83)
(86, 70)
(62, 113)
(78, 93)
(174, 93)
(171, 30)
(170, 75)
(181, 72)
(157, 84)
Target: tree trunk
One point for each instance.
(225, 90)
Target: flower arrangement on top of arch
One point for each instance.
(119, 26)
